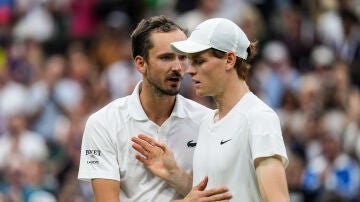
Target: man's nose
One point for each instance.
(190, 70)
(178, 64)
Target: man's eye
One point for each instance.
(197, 62)
(166, 58)
(182, 57)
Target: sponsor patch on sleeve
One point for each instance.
(92, 156)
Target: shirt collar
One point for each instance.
(137, 112)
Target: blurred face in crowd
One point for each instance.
(330, 147)
(16, 124)
(164, 70)
(55, 69)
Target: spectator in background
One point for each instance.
(35, 23)
(329, 28)
(251, 21)
(51, 98)
(332, 172)
(25, 60)
(83, 19)
(293, 27)
(13, 96)
(277, 74)
(204, 9)
(294, 174)
(349, 49)
(19, 141)
(289, 114)
(84, 72)
(22, 157)
(119, 75)
(351, 137)
(6, 18)
(321, 59)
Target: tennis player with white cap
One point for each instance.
(240, 144)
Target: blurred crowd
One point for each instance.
(61, 60)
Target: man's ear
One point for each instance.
(230, 60)
(140, 64)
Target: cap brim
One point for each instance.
(188, 47)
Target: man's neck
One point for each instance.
(230, 97)
(158, 108)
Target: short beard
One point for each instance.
(161, 91)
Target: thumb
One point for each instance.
(202, 185)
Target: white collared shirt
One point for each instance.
(226, 150)
(106, 150)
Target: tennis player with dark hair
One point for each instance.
(154, 108)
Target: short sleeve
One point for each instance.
(266, 138)
(98, 152)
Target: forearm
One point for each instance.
(180, 181)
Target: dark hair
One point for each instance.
(242, 66)
(140, 37)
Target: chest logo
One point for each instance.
(191, 143)
(224, 141)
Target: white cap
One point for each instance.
(218, 33)
(275, 51)
(322, 56)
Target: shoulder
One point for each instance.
(258, 109)
(102, 126)
(258, 114)
(110, 112)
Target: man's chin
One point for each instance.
(172, 91)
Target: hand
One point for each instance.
(156, 156)
(198, 193)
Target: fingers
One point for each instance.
(148, 143)
(142, 143)
(147, 139)
(219, 193)
(140, 149)
(153, 142)
(220, 197)
(141, 158)
(147, 147)
(202, 185)
(227, 200)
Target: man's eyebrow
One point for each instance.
(195, 56)
(166, 54)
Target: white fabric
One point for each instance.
(249, 131)
(109, 132)
(219, 33)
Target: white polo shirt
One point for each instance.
(226, 150)
(106, 150)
